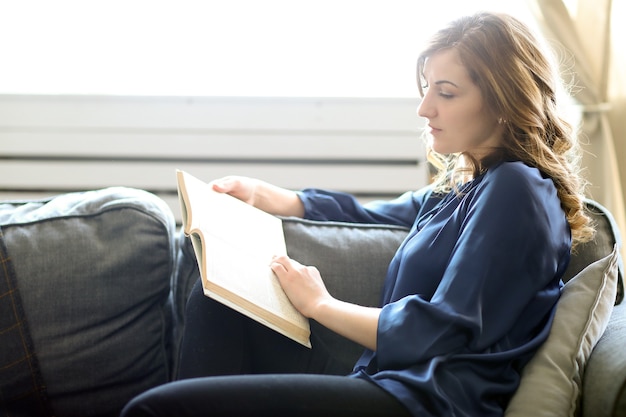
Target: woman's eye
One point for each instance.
(446, 95)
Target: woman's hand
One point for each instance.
(306, 291)
(243, 188)
(302, 284)
(262, 195)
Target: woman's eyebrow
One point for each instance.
(446, 82)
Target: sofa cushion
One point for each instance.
(551, 383)
(93, 273)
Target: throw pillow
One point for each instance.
(551, 382)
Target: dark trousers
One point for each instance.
(232, 366)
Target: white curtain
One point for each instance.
(591, 58)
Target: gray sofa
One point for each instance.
(94, 287)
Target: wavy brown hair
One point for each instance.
(518, 84)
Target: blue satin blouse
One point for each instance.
(469, 295)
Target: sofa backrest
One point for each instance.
(607, 235)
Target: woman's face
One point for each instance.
(457, 117)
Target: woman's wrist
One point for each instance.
(278, 201)
(355, 322)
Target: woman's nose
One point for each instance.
(423, 110)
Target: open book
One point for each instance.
(234, 243)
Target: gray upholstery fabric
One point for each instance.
(607, 236)
(185, 276)
(93, 270)
(604, 383)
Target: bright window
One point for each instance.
(319, 48)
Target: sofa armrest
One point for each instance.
(604, 389)
(89, 309)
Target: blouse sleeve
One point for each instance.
(510, 248)
(337, 206)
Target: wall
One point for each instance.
(54, 144)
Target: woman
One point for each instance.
(469, 295)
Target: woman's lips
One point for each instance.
(434, 130)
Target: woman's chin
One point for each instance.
(443, 150)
